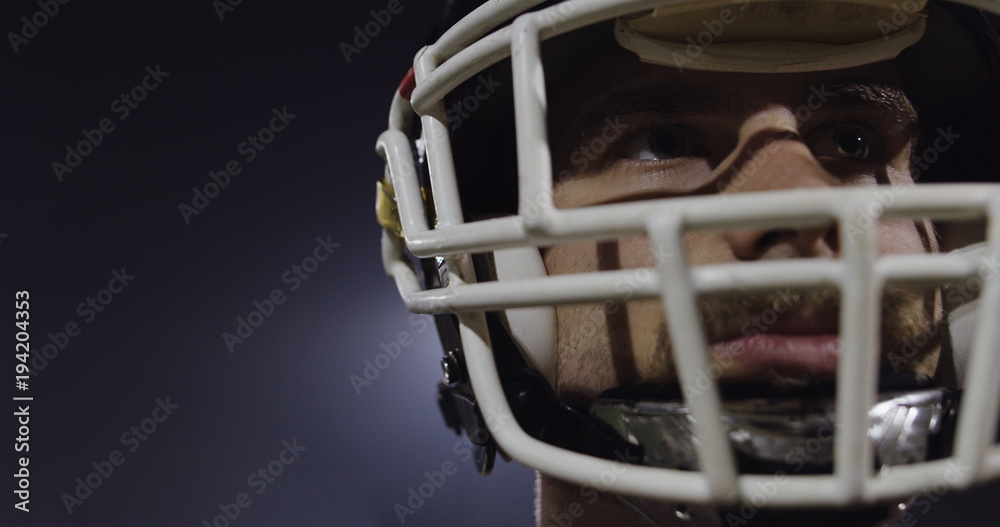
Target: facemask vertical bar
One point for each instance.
(534, 162)
(401, 113)
(977, 422)
(440, 164)
(860, 311)
(437, 140)
(395, 148)
(477, 24)
(691, 354)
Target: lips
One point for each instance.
(787, 355)
(797, 346)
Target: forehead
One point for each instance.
(620, 76)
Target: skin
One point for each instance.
(749, 135)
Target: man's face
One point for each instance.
(664, 133)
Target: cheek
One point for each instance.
(898, 168)
(570, 258)
(627, 253)
(904, 236)
(585, 365)
(901, 237)
(632, 253)
(699, 248)
(707, 247)
(650, 342)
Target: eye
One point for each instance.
(657, 144)
(845, 142)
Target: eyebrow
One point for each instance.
(888, 99)
(650, 96)
(679, 101)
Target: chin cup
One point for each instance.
(786, 435)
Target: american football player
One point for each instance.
(723, 262)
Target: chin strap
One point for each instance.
(787, 435)
(524, 345)
(790, 434)
(650, 423)
(784, 430)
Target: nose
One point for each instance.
(772, 156)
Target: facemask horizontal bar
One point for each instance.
(858, 207)
(640, 284)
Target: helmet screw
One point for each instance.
(452, 368)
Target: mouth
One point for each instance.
(799, 348)
(793, 356)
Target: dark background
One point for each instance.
(366, 445)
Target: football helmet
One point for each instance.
(466, 203)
